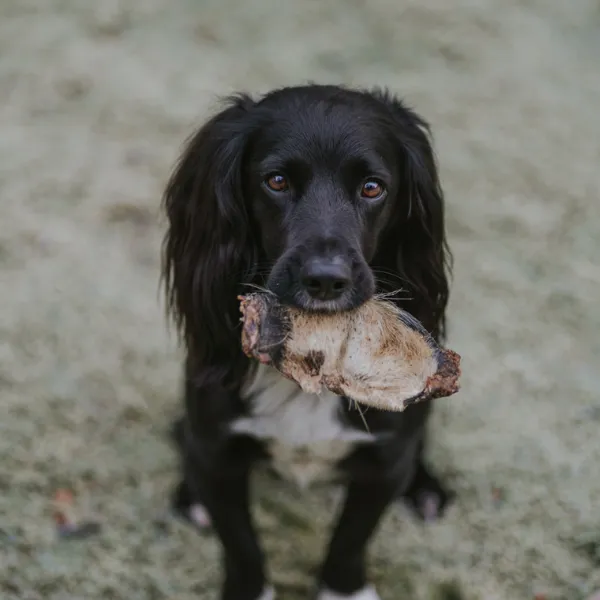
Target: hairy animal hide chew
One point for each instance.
(377, 355)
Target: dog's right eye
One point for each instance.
(277, 183)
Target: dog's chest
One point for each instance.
(305, 433)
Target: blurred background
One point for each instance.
(96, 99)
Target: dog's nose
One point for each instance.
(325, 280)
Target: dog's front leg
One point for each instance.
(372, 488)
(222, 486)
(216, 476)
(344, 571)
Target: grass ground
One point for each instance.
(95, 100)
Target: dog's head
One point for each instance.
(321, 194)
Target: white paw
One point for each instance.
(200, 517)
(268, 594)
(367, 593)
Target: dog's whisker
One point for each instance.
(390, 294)
(362, 416)
(277, 343)
(259, 268)
(260, 288)
(391, 279)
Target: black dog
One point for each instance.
(324, 196)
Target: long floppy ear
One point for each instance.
(416, 237)
(208, 249)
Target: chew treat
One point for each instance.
(377, 354)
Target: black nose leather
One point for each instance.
(325, 280)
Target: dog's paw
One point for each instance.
(428, 505)
(427, 497)
(367, 593)
(186, 507)
(268, 594)
(198, 516)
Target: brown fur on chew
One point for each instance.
(377, 354)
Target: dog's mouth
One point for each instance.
(330, 291)
(347, 301)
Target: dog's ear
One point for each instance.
(416, 237)
(208, 248)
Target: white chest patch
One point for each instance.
(305, 432)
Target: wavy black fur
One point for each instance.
(228, 232)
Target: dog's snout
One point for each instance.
(326, 279)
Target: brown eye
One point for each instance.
(372, 189)
(277, 183)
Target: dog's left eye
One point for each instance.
(372, 189)
(277, 183)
